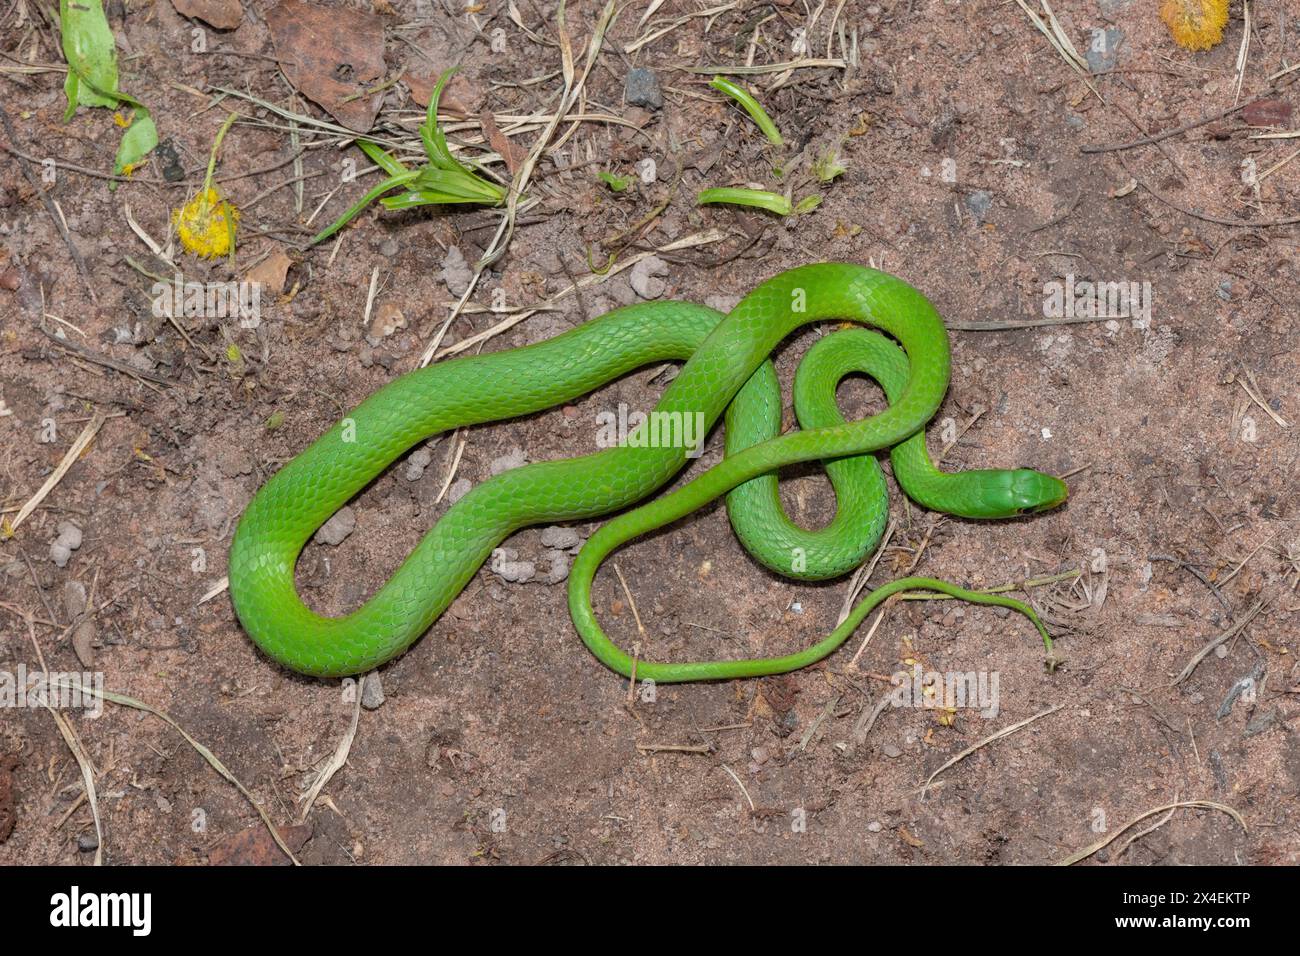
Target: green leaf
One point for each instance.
(751, 106)
(91, 54)
(424, 197)
(757, 198)
(140, 137)
(440, 181)
(616, 183)
(459, 182)
(381, 158)
(807, 204)
(435, 143)
(391, 183)
(828, 166)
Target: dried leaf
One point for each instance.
(271, 271)
(1271, 112)
(332, 56)
(8, 796)
(82, 643)
(254, 846)
(222, 14)
(512, 154)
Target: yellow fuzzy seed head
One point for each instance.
(1195, 24)
(207, 224)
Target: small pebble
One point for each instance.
(560, 537)
(419, 460)
(372, 692)
(647, 279)
(559, 569)
(890, 750)
(979, 203)
(74, 598)
(507, 566)
(88, 842)
(514, 458)
(69, 540)
(336, 530)
(456, 272)
(1103, 48)
(459, 489)
(642, 89)
(387, 319)
(874, 826)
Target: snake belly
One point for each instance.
(721, 355)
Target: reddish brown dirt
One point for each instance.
(501, 739)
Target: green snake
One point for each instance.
(727, 369)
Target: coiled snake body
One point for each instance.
(727, 369)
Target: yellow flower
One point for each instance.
(1195, 24)
(207, 225)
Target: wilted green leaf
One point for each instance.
(617, 183)
(828, 166)
(140, 137)
(91, 55)
(807, 204)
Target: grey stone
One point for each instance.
(646, 279)
(419, 460)
(723, 303)
(1103, 48)
(372, 692)
(69, 540)
(1260, 723)
(74, 598)
(507, 566)
(642, 89)
(514, 458)
(456, 272)
(459, 489)
(1112, 7)
(559, 569)
(336, 530)
(560, 537)
(979, 203)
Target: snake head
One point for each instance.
(1029, 492)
